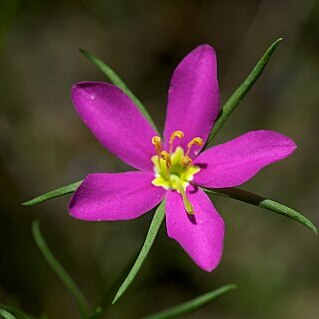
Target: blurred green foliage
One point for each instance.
(44, 145)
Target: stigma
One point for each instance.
(174, 168)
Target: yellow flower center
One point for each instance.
(174, 169)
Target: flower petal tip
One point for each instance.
(235, 162)
(79, 85)
(288, 143)
(210, 265)
(204, 48)
(203, 52)
(210, 268)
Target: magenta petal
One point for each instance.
(118, 196)
(116, 122)
(235, 162)
(193, 97)
(201, 235)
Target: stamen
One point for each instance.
(196, 140)
(156, 141)
(167, 158)
(179, 134)
(186, 161)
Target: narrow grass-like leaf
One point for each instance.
(6, 315)
(68, 189)
(241, 91)
(192, 305)
(116, 80)
(9, 312)
(263, 202)
(59, 270)
(149, 240)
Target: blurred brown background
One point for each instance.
(44, 145)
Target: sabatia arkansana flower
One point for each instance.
(173, 167)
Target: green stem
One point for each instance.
(16, 313)
(241, 91)
(262, 202)
(6, 315)
(149, 240)
(192, 305)
(68, 189)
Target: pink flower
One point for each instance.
(174, 168)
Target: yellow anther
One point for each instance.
(179, 134)
(156, 141)
(167, 158)
(196, 140)
(186, 161)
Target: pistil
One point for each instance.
(187, 204)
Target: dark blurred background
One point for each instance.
(44, 145)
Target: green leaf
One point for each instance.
(9, 312)
(52, 194)
(149, 240)
(263, 202)
(192, 305)
(6, 315)
(116, 80)
(241, 91)
(59, 270)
